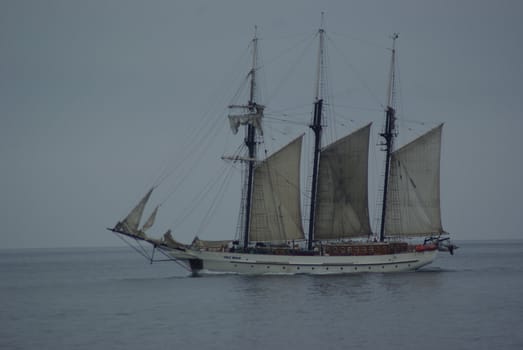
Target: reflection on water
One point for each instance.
(359, 288)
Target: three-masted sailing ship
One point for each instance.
(339, 237)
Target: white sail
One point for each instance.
(413, 198)
(132, 221)
(342, 205)
(150, 221)
(275, 211)
(253, 119)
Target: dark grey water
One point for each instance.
(113, 299)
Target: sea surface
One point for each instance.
(112, 298)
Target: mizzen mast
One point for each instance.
(388, 133)
(316, 126)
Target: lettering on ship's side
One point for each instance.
(232, 257)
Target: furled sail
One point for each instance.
(169, 240)
(213, 245)
(413, 199)
(342, 205)
(150, 221)
(253, 119)
(275, 211)
(132, 221)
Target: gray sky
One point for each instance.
(98, 96)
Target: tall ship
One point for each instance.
(339, 238)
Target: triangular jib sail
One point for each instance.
(413, 201)
(342, 204)
(275, 212)
(132, 221)
(150, 221)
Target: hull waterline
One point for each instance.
(201, 262)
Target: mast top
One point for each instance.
(252, 73)
(320, 65)
(392, 82)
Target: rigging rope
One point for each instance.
(209, 118)
(295, 64)
(197, 156)
(358, 76)
(199, 198)
(217, 199)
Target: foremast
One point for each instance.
(316, 127)
(389, 133)
(251, 118)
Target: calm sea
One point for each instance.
(114, 299)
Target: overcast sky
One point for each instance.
(97, 97)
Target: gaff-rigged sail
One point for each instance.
(342, 204)
(275, 211)
(413, 201)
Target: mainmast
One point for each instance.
(389, 133)
(317, 128)
(250, 137)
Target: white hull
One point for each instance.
(259, 264)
